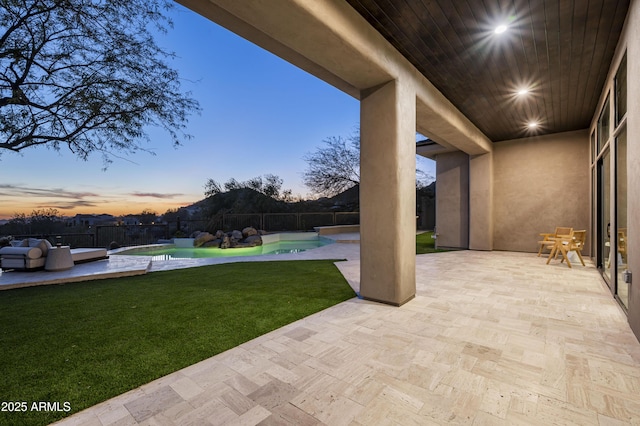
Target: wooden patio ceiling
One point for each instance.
(560, 49)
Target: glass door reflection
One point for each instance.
(622, 288)
(604, 222)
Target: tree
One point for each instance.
(147, 216)
(270, 185)
(18, 224)
(40, 221)
(46, 221)
(335, 167)
(87, 74)
(211, 188)
(423, 179)
(173, 215)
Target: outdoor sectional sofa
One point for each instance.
(31, 254)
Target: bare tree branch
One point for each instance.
(334, 167)
(87, 74)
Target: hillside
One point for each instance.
(245, 200)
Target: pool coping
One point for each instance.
(123, 265)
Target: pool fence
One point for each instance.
(143, 234)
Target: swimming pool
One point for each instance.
(272, 244)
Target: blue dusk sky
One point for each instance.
(260, 115)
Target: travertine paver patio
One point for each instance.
(491, 338)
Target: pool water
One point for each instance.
(171, 252)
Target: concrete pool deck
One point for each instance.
(345, 247)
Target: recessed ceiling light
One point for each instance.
(532, 125)
(500, 29)
(523, 91)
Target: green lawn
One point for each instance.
(83, 343)
(426, 244)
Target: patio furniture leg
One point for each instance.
(554, 249)
(564, 256)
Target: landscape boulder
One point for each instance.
(226, 242)
(213, 243)
(249, 231)
(202, 238)
(248, 237)
(253, 240)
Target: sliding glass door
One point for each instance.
(604, 217)
(609, 165)
(622, 288)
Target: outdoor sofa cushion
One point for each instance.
(42, 244)
(19, 243)
(25, 258)
(32, 253)
(28, 252)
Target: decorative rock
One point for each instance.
(242, 244)
(253, 240)
(249, 237)
(202, 238)
(213, 243)
(249, 231)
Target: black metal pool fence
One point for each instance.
(142, 234)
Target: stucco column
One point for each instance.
(481, 202)
(452, 200)
(387, 193)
